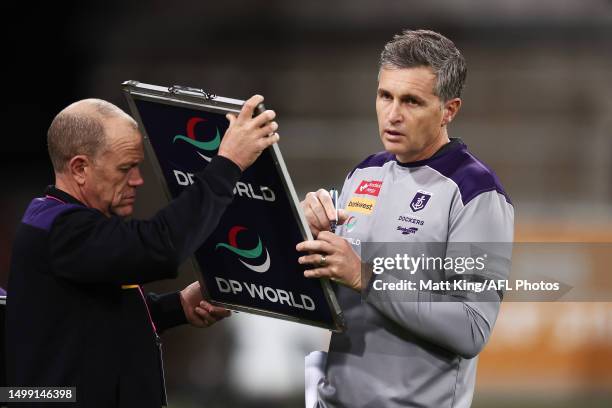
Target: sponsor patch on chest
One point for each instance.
(361, 205)
(407, 230)
(369, 187)
(350, 223)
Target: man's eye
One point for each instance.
(385, 96)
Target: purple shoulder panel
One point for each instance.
(375, 160)
(43, 211)
(471, 175)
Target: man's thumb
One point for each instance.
(342, 216)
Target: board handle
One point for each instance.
(187, 90)
(261, 108)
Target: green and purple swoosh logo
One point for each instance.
(252, 253)
(350, 223)
(208, 146)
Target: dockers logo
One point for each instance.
(253, 253)
(209, 146)
(420, 200)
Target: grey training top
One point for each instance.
(415, 353)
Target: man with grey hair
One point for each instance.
(77, 316)
(419, 348)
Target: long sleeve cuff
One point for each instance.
(221, 174)
(166, 310)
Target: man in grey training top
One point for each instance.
(424, 188)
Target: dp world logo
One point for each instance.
(209, 146)
(250, 254)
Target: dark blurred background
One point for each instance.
(537, 109)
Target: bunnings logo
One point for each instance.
(249, 254)
(209, 146)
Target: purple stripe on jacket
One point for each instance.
(43, 211)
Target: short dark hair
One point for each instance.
(426, 48)
(82, 132)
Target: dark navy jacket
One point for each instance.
(70, 323)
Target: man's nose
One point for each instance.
(395, 114)
(135, 179)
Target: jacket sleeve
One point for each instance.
(86, 246)
(458, 322)
(166, 310)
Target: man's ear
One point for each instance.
(78, 168)
(451, 107)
